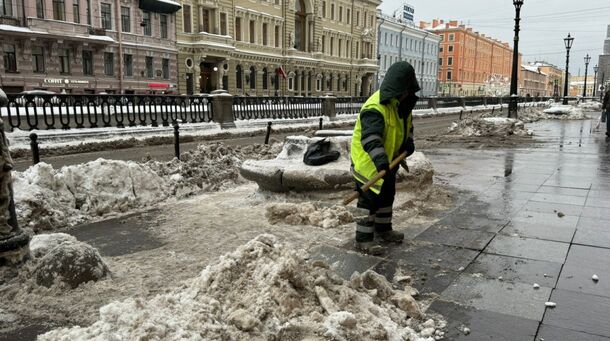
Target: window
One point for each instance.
(440, 49)
(323, 9)
(451, 37)
(106, 16)
(76, 11)
(186, 18)
(357, 18)
(147, 23)
(385, 38)
(440, 61)
(277, 36)
(238, 77)
(205, 20)
(223, 24)
(340, 45)
(6, 8)
(125, 19)
(265, 79)
(372, 21)
(332, 11)
(265, 34)
(163, 25)
(108, 63)
(300, 20)
(341, 13)
(38, 59)
(88, 62)
(252, 77)
(149, 67)
(40, 9)
(323, 44)
(64, 61)
(252, 33)
(59, 10)
(10, 62)
(450, 49)
(349, 16)
(450, 61)
(318, 85)
(128, 65)
(385, 62)
(449, 75)
(332, 45)
(238, 29)
(165, 68)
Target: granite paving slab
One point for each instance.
(579, 312)
(553, 208)
(579, 278)
(426, 279)
(545, 218)
(563, 191)
(446, 235)
(528, 248)
(558, 199)
(539, 231)
(580, 255)
(471, 221)
(552, 333)
(342, 261)
(434, 255)
(483, 324)
(516, 299)
(511, 269)
(593, 237)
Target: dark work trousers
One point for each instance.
(380, 209)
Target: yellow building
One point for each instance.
(577, 84)
(291, 47)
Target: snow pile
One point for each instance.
(47, 199)
(421, 171)
(565, 112)
(61, 259)
(210, 167)
(308, 214)
(489, 126)
(530, 114)
(265, 291)
(590, 106)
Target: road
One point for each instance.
(423, 126)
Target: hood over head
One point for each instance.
(399, 78)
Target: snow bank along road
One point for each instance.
(427, 125)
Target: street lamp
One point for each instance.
(595, 69)
(587, 61)
(568, 42)
(512, 108)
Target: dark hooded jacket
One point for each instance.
(399, 78)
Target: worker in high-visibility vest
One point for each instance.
(382, 132)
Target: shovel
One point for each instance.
(379, 175)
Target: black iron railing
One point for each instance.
(349, 105)
(252, 108)
(64, 111)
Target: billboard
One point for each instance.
(408, 12)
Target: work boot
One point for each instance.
(391, 236)
(372, 248)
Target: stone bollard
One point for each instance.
(329, 106)
(222, 106)
(176, 141)
(14, 242)
(34, 148)
(433, 104)
(462, 102)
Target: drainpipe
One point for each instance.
(423, 52)
(23, 20)
(119, 30)
(400, 43)
(378, 51)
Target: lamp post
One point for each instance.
(587, 61)
(568, 41)
(595, 69)
(512, 108)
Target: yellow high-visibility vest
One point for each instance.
(393, 136)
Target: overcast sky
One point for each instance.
(544, 24)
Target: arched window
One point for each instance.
(238, 77)
(252, 77)
(265, 78)
(300, 22)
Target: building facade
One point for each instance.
(555, 78)
(470, 63)
(273, 47)
(532, 82)
(577, 84)
(94, 46)
(399, 40)
(603, 74)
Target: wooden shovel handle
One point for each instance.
(371, 182)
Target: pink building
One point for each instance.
(88, 46)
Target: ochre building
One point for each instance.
(277, 47)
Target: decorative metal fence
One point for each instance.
(349, 105)
(251, 108)
(65, 111)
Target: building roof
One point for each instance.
(531, 68)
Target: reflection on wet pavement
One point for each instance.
(537, 215)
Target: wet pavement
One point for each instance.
(526, 215)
